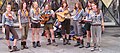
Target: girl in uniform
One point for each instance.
(35, 24)
(24, 21)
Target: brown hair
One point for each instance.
(49, 6)
(21, 6)
(98, 9)
(90, 1)
(79, 6)
(63, 5)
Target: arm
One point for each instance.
(53, 13)
(31, 13)
(60, 9)
(103, 28)
(3, 20)
(20, 26)
(14, 16)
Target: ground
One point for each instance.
(110, 44)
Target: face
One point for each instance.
(63, 0)
(89, 4)
(76, 5)
(64, 4)
(94, 7)
(8, 8)
(24, 5)
(35, 4)
(47, 7)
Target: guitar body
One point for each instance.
(45, 18)
(61, 15)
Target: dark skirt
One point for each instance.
(87, 26)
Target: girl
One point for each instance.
(87, 22)
(65, 24)
(24, 21)
(78, 14)
(96, 27)
(49, 25)
(35, 24)
(8, 23)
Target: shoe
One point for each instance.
(64, 42)
(68, 42)
(92, 49)
(10, 49)
(88, 45)
(81, 46)
(25, 46)
(49, 42)
(54, 44)
(34, 45)
(22, 47)
(15, 48)
(76, 45)
(38, 44)
(100, 49)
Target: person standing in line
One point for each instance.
(8, 23)
(78, 15)
(49, 25)
(65, 24)
(87, 20)
(97, 25)
(24, 22)
(35, 24)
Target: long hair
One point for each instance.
(49, 6)
(79, 6)
(89, 1)
(98, 9)
(21, 6)
(66, 7)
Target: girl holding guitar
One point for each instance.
(65, 23)
(35, 24)
(49, 24)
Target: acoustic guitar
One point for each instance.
(61, 16)
(45, 18)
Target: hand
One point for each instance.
(20, 27)
(103, 28)
(10, 16)
(29, 25)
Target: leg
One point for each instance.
(38, 37)
(93, 37)
(53, 37)
(7, 31)
(48, 37)
(24, 36)
(98, 36)
(14, 33)
(88, 26)
(33, 37)
(81, 42)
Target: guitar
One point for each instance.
(45, 18)
(61, 16)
